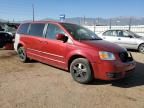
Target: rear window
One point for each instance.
(37, 29)
(23, 29)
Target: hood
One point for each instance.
(142, 37)
(102, 45)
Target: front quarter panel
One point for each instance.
(139, 42)
(90, 54)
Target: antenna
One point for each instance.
(33, 11)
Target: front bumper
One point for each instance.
(112, 70)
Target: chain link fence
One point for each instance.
(99, 25)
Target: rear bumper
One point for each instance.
(113, 70)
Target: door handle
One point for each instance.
(41, 41)
(45, 42)
(119, 38)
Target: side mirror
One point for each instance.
(130, 36)
(61, 37)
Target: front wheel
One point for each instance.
(22, 54)
(81, 71)
(141, 48)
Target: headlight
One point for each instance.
(106, 55)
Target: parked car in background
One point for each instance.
(73, 48)
(6, 40)
(124, 38)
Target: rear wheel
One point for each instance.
(141, 48)
(81, 71)
(22, 54)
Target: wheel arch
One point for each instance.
(73, 57)
(139, 47)
(20, 44)
(140, 44)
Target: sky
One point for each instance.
(19, 10)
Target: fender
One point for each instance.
(84, 54)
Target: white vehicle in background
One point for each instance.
(124, 38)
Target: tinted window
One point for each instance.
(23, 29)
(53, 30)
(37, 29)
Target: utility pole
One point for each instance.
(130, 21)
(80, 21)
(84, 20)
(33, 11)
(94, 25)
(98, 21)
(110, 23)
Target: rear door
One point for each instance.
(54, 50)
(110, 35)
(34, 40)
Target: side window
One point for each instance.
(52, 31)
(114, 33)
(120, 33)
(37, 29)
(125, 34)
(109, 33)
(23, 29)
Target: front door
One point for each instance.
(54, 50)
(124, 40)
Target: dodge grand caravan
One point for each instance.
(73, 48)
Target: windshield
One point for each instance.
(79, 32)
(134, 34)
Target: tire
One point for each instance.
(141, 48)
(81, 71)
(22, 54)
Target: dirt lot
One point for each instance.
(37, 85)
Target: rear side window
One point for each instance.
(37, 29)
(23, 29)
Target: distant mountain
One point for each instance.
(101, 21)
(47, 19)
(120, 21)
(2, 20)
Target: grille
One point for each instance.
(125, 56)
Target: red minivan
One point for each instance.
(73, 48)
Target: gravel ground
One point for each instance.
(37, 85)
